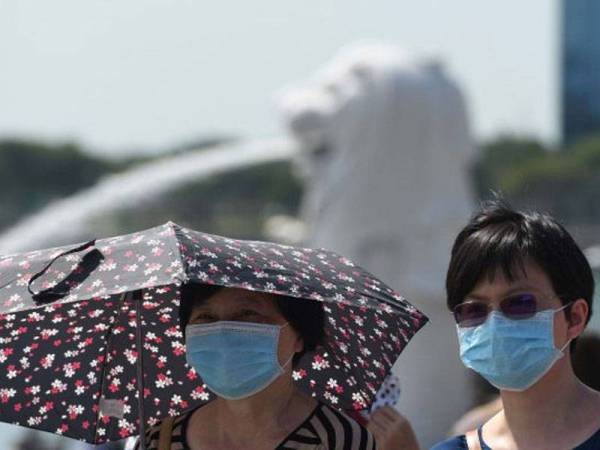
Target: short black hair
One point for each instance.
(305, 316)
(499, 237)
(586, 359)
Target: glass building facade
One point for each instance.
(580, 69)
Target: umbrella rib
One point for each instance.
(9, 282)
(176, 236)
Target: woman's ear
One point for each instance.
(298, 340)
(578, 314)
(299, 345)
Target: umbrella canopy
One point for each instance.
(78, 324)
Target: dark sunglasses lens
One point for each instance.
(470, 314)
(520, 306)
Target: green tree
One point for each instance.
(563, 182)
(33, 174)
(499, 159)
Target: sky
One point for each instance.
(141, 75)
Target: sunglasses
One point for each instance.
(472, 313)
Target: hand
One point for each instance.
(392, 431)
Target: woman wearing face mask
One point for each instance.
(521, 293)
(244, 344)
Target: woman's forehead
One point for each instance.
(235, 297)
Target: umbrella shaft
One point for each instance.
(138, 300)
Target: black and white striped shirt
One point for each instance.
(324, 429)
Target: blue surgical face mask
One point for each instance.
(234, 359)
(511, 354)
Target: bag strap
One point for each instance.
(50, 295)
(166, 432)
(472, 438)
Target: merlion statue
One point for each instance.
(386, 149)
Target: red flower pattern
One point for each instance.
(69, 367)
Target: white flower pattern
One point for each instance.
(58, 360)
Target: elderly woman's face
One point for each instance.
(240, 305)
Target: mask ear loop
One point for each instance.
(281, 327)
(288, 361)
(562, 349)
(562, 308)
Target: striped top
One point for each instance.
(324, 429)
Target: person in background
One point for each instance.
(392, 431)
(586, 360)
(521, 291)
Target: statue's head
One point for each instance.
(311, 109)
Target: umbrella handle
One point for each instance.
(49, 294)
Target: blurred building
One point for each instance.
(580, 115)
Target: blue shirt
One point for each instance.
(460, 443)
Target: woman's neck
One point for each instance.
(538, 406)
(546, 413)
(252, 410)
(269, 415)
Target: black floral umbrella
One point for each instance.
(80, 326)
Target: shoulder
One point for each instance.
(177, 436)
(455, 443)
(592, 443)
(337, 430)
